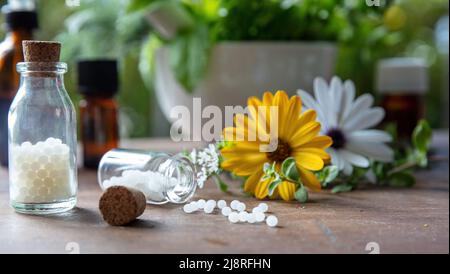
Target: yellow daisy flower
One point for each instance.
(298, 137)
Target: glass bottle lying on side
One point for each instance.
(163, 178)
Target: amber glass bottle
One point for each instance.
(402, 84)
(98, 83)
(20, 26)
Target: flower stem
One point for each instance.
(402, 167)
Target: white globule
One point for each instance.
(259, 217)
(234, 204)
(226, 211)
(264, 207)
(243, 216)
(187, 208)
(233, 217)
(251, 218)
(221, 204)
(272, 221)
(211, 203)
(256, 209)
(241, 207)
(152, 184)
(201, 203)
(209, 208)
(41, 173)
(194, 206)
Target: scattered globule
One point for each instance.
(235, 213)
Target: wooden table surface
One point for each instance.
(414, 220)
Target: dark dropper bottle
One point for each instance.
(20, 25)
(98, 83)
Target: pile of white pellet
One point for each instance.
(152, 184)
(41, 172)
(236, 212)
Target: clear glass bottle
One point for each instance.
(161, 177)
(42, 136)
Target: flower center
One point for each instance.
(338, 137)
(282, 152)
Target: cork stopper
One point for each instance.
(121, 205)
(41, 51)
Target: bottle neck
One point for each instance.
(41, 75)
(41, 80)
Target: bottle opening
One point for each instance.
(180, 178)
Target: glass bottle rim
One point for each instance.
(188, 173)
(53, 67)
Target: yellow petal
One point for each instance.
(255, 124)
(309, 179)
(242, 147)
(286, 190)
(244, 165)
(308, 116)
(322, 142)
(254, 105)
(281, 101)
(305, 134)
(232, 134)
(312, 150)
(262, 189)
(252, 181)
(267, 98)
(309, 161)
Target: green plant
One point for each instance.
(212, 21)
(100, 29)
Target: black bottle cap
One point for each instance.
(21, 19)
(98, 77)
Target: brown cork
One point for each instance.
(121, 205)
(41, 51)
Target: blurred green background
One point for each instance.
(119, 29)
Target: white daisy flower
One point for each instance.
(348, 121)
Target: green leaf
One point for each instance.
(301, 194)
(328, 174)
(342, 188)
(358, 173)
(223, 144)
(220, 183)
(401, 179)
(267, 168)
(137, 5)
(289, 169)
(391, 129)
(421, 137)
(421, 159)
(189, 54)
(147, 60)
(273, 185)
(238, 178)
(380, 170)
